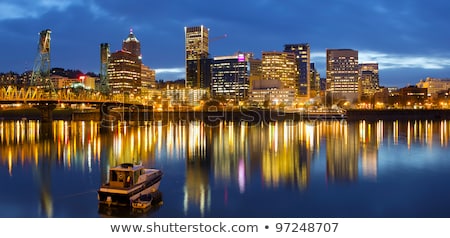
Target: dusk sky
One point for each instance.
(410, 39)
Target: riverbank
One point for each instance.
(58, 114)
(247, 115)
(398, 114)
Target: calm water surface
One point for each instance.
(279, 169)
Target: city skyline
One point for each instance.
(404, 37)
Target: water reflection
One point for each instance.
(213, 158)
(127, 212)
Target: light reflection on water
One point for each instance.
(53, 170)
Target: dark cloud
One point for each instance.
(405, 30)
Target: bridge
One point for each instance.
(47, 101)
(41, 93)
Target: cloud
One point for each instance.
(170, 70)
(394, 61)
(398, 61)
(60, 5)
(15, 11)
(170, 73)
(23, 9)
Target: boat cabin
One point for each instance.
(125, 175)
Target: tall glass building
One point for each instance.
(230, 76)
(197, 57)
(303, 60)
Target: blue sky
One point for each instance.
(410, 39)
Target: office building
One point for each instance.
(132, 45)
(271, 93)
(315, 84)
(434, 85)
(148, 77)
(281, 66)
(124, 73)
(230, 76)
(370, 82)
(125, 67)
(197, 57)
(302, 58)
(342, 71)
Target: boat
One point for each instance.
(127, 183)
(144, 201)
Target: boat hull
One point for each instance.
(124, 197)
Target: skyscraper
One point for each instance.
(368, 72)
(303, 60)
(132, 45)
(230, 76)
(124, 73)
(197, 53)
(342, 74)
(124, 68)
(282, 66)
(314, 81)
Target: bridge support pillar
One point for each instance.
(46, 111)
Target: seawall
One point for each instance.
(398, 114)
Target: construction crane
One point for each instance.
(218, 38)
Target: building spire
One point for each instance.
(131, 37)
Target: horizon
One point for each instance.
(404, 37)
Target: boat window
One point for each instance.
(113, 176)
(128, 179)
(136, 176)
(121, 176)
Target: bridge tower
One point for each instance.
(41, 70)
(104, 62)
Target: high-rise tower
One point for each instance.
(282, 66)
(197, 53)
(343, 74)
(124, 68)
(302, 58)
(370, 82)
(132, 45)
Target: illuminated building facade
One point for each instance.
(148, 77)
(271, 92)
(282, 66)
(230, 76)
(434, 86)
(175, 96)
(197, 53)
(255, 70)
(124, 68)
(303, 61)
(124, 73)
(315, 81)
(370, 82)
(343, 74)
(132, 45)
